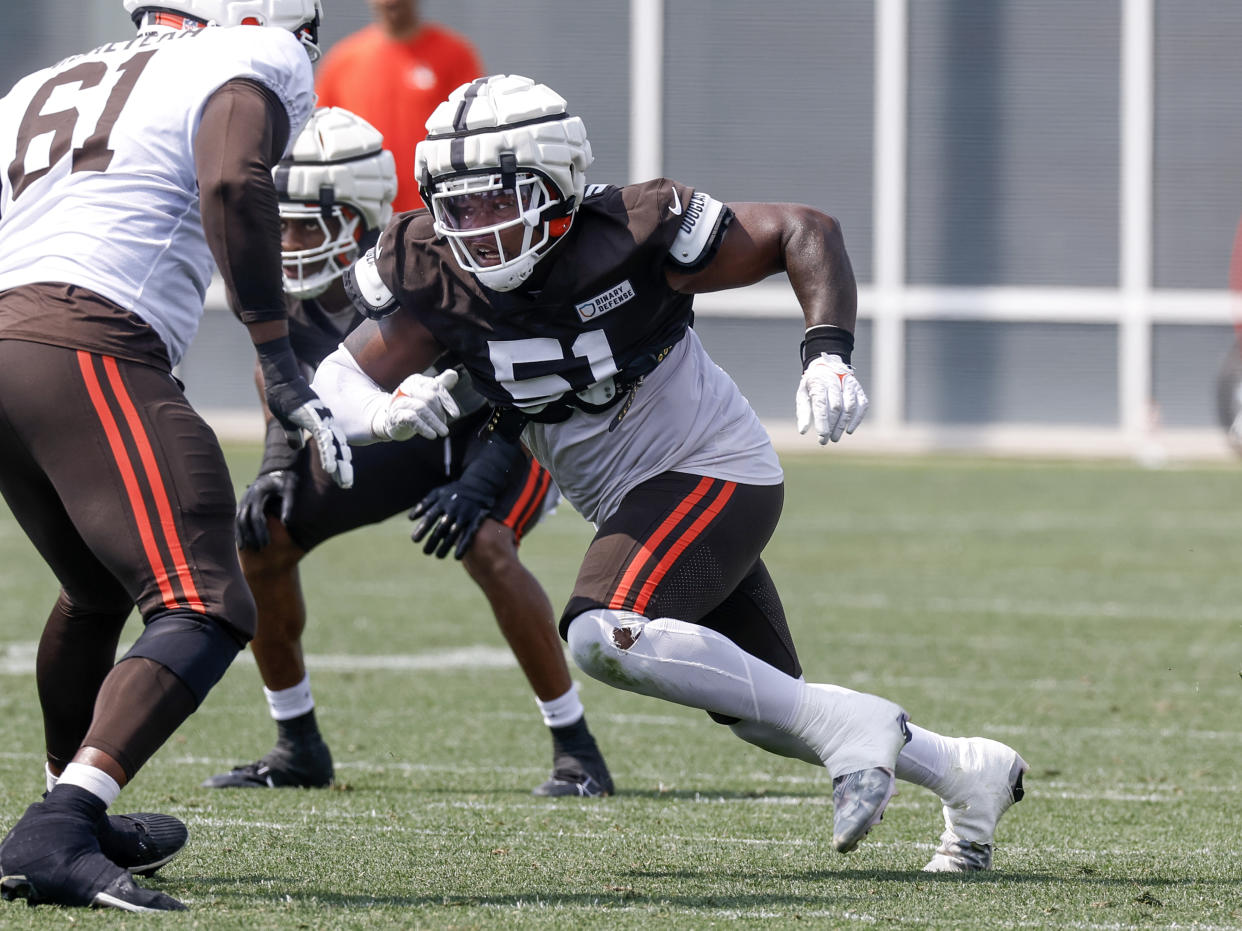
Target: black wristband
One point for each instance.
(277, 361)
(487, 474)
(826, 338)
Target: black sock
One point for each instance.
(75, 800)
(571, 737)
(297, 731)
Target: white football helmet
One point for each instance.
(301, 17)
(501, 153)
(337, 170)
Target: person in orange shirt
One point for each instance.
(393, 73)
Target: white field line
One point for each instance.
(1021, 523)
(19, 658)
(1085, 610)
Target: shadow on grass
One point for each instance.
(916, 876)
(518, 792)
(604, 899)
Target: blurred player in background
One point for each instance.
(128, 169)
(571, 307)
(336, 189)
(1229, 382)
(393, 73)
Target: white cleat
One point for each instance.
(858, 737)
(986, 780)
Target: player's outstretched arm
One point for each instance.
(419, 406)
(806, 244)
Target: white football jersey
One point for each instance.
(97, 154)
(687, 415)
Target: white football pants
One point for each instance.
(694, 665)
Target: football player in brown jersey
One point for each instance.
(570, 307)
(336, 187)
(106, 251)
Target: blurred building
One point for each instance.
(1039, 196)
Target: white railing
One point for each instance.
(1133, 306)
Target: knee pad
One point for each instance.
(666, 658)
(595, 638)
(195, 647)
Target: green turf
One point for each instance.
(1087, 614)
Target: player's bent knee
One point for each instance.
(492, 553)
(195, 647)
(279, 557)
(598, 637)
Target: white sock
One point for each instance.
(926, 760)
(48, 777)
(563, 711)
(94, 781)
(684, 663)
(291, 702)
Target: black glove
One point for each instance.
(261, 498)
(452, 513)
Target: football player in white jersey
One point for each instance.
(570, 306)
(336, 188)
(132, 169)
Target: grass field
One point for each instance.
(1089, 615)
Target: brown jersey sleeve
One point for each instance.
(242, 134)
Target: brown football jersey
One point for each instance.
(604, 317)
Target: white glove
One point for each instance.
(421, 406)
(334, 454)
(831, 397)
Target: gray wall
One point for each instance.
(1198, 140)
(1014, 145)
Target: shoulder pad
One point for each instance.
(366, 290)
(702, 222)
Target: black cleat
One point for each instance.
(305, 766)
(120, 893)
(578, 768)
(52, 857)
(143, 841)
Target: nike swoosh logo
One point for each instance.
(675, 207)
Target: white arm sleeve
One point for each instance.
(354, 399)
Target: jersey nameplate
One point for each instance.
(602, 303)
